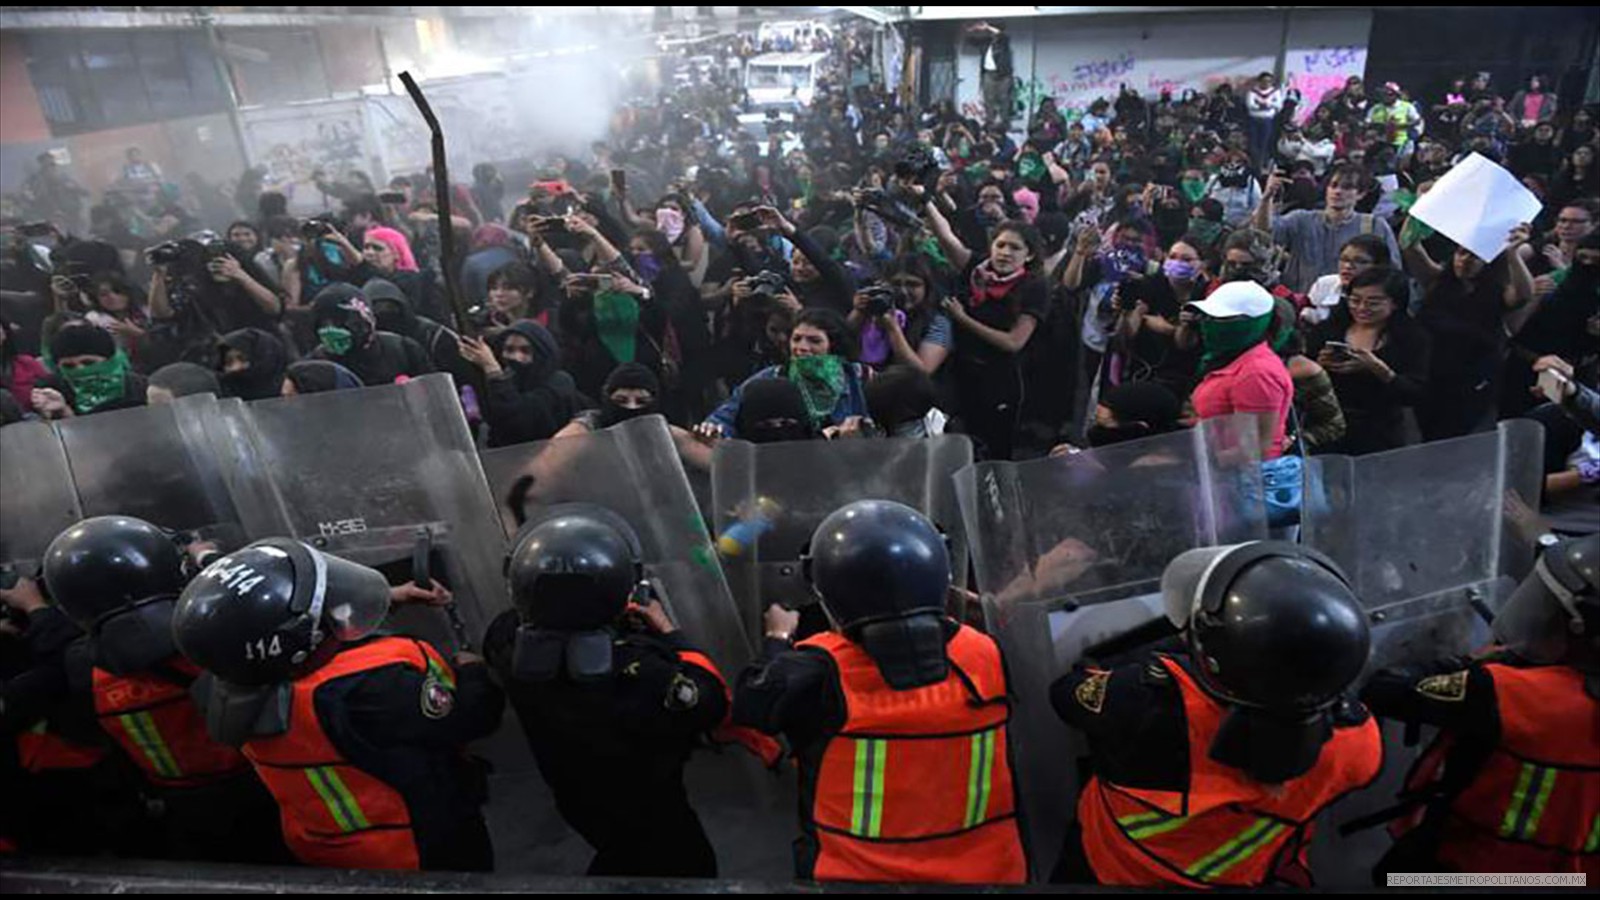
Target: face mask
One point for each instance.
(648, 266)
(1104, 436)
(1205, 229)
(1194, 189)
(1031, 168)
(389, 318)
(96, 384)
(670, 221)
(1180, 269)
(337, 341)
(613, 414)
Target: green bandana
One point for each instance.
(821, 381)
(96, 384)
(929, 247)
(1414, 231)
(1194, 189)
(1030, 167)
(1224, 339)
(335, 340)
(616, 318)
(1205, 229)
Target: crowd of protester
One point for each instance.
(1005, 275)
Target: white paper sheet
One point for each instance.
(1476, 204)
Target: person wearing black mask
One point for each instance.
(316, 376)
(1129, 412)
(630, 391)
(529, 396)
(251, 364)
(396, 315)
(774, 410)
(348, 334)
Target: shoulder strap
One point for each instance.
(1366, 223)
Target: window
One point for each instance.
(91, 81)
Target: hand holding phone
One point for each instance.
(1554, 385)
(1339, 349)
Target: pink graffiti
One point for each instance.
(1312, 89)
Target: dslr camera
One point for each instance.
(317, 227)
(767, 285)
(881, 298)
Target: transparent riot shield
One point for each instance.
(769, 498)
(634, 470)
(386, 476)
(37, 500)
(1069, 552)
(1435, 537)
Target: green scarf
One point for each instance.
(1224, 339)
(1194, 190)
(616, 318)
(929, 247)
(1031, 168)
(821, 380)
(97, 384)
(1205, 229)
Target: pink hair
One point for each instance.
(397, 242)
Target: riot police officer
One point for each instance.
(1211, 761)
(1512, 783)
(611, 695)
(358, 735)
(118, 578)
(899, 715)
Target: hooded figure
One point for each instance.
(773, 410)
(531, 398)
(348, 334)
(259, 375)
(394, 312)
(90, 372)
(314, 376)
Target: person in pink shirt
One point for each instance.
(1241, 373)
(18, 371)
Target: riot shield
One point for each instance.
(1434, 537)
(372, 475)
(1069, 551)
(634, 470)
(37, 501)
(769, 498)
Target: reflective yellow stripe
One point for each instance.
(1235, 851)
(329, 798)
(980, 778)
(142, 728)
(1161, 826)
(1547, 785)
(442, 673)
(866, 813)
(1519, 799)
(352, 806)
(1593, 843)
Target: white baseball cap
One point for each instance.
(1236, 298)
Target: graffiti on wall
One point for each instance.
(295, 150)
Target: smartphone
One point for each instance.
(392, 198)
(745, 221)
(619, 181)
(1339, 349)
(1553, 385)
(549, 224)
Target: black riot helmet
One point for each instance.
(882, 571)
(117, 577)
(265, 614)
(573, 569)
(1553, 618)
(1275, 633)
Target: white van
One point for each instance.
(782, 80)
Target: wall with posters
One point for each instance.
(1077, 59)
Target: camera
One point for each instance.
(181, 253)
(316, 227)
(881, 298)
(767, 284)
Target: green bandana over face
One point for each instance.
(1030, 167)
(821, 381)
(616, 318)
(335, 340)
(96, 384)
(1224, 339)
(1194, 189)
(929, 247)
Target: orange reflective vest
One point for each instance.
(917, 785)
(154, 719)
(41, 750)
(1534, 805)
(335, 815)
(1227, 828)
(764, 748)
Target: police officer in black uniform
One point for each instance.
(118, 578)
(1509, 784)
(1273, 634)
(359, 734)
(612, 696)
